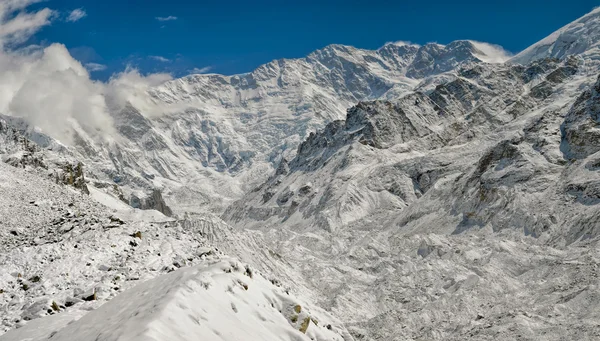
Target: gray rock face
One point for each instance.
(72, 175)
(434, 59)
(18, 150)
(581, 128)
(131, 123)
(154, 201)
(368, 163)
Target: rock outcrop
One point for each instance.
(581, 128)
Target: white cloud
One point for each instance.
(160, 59)
(76, 14)
(130, 86)
(491, 53)
(53, 91)
(401, 43)
(16, 29)
(169, 18)
(92, 67)
(201, 70)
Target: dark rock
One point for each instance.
(89, 296)
(580, 133)
(72, 175)
(154, 201)
(117, 220)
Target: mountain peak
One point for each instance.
(581, 37)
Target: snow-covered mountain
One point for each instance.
(208, 139)
(413, 192)
(387, 155)
(487, 152)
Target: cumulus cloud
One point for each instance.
(201, 70)
(169, 18)
(76, 15)
(130, 86)
(491, 53)
(160, 59)
(53, 91)
(93, 67)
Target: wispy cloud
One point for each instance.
(201, 70)
(491, 53)
(93, 67)
(169, 18)
(76, 15)
(401, 43)
(16, 29)
(160, 59)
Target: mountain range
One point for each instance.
(436, 192)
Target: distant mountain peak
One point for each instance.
(581, 37)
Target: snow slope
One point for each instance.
(68, 253)
(580, 37)
(221, 300)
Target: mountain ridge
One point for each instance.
(241, 125)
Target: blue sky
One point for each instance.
(233, 36)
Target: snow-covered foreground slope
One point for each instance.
(222, 300)
(67, 253)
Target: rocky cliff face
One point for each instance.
(387, 155)
(482, 154)
(581, 129)
(154, 201)
(19, 150)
